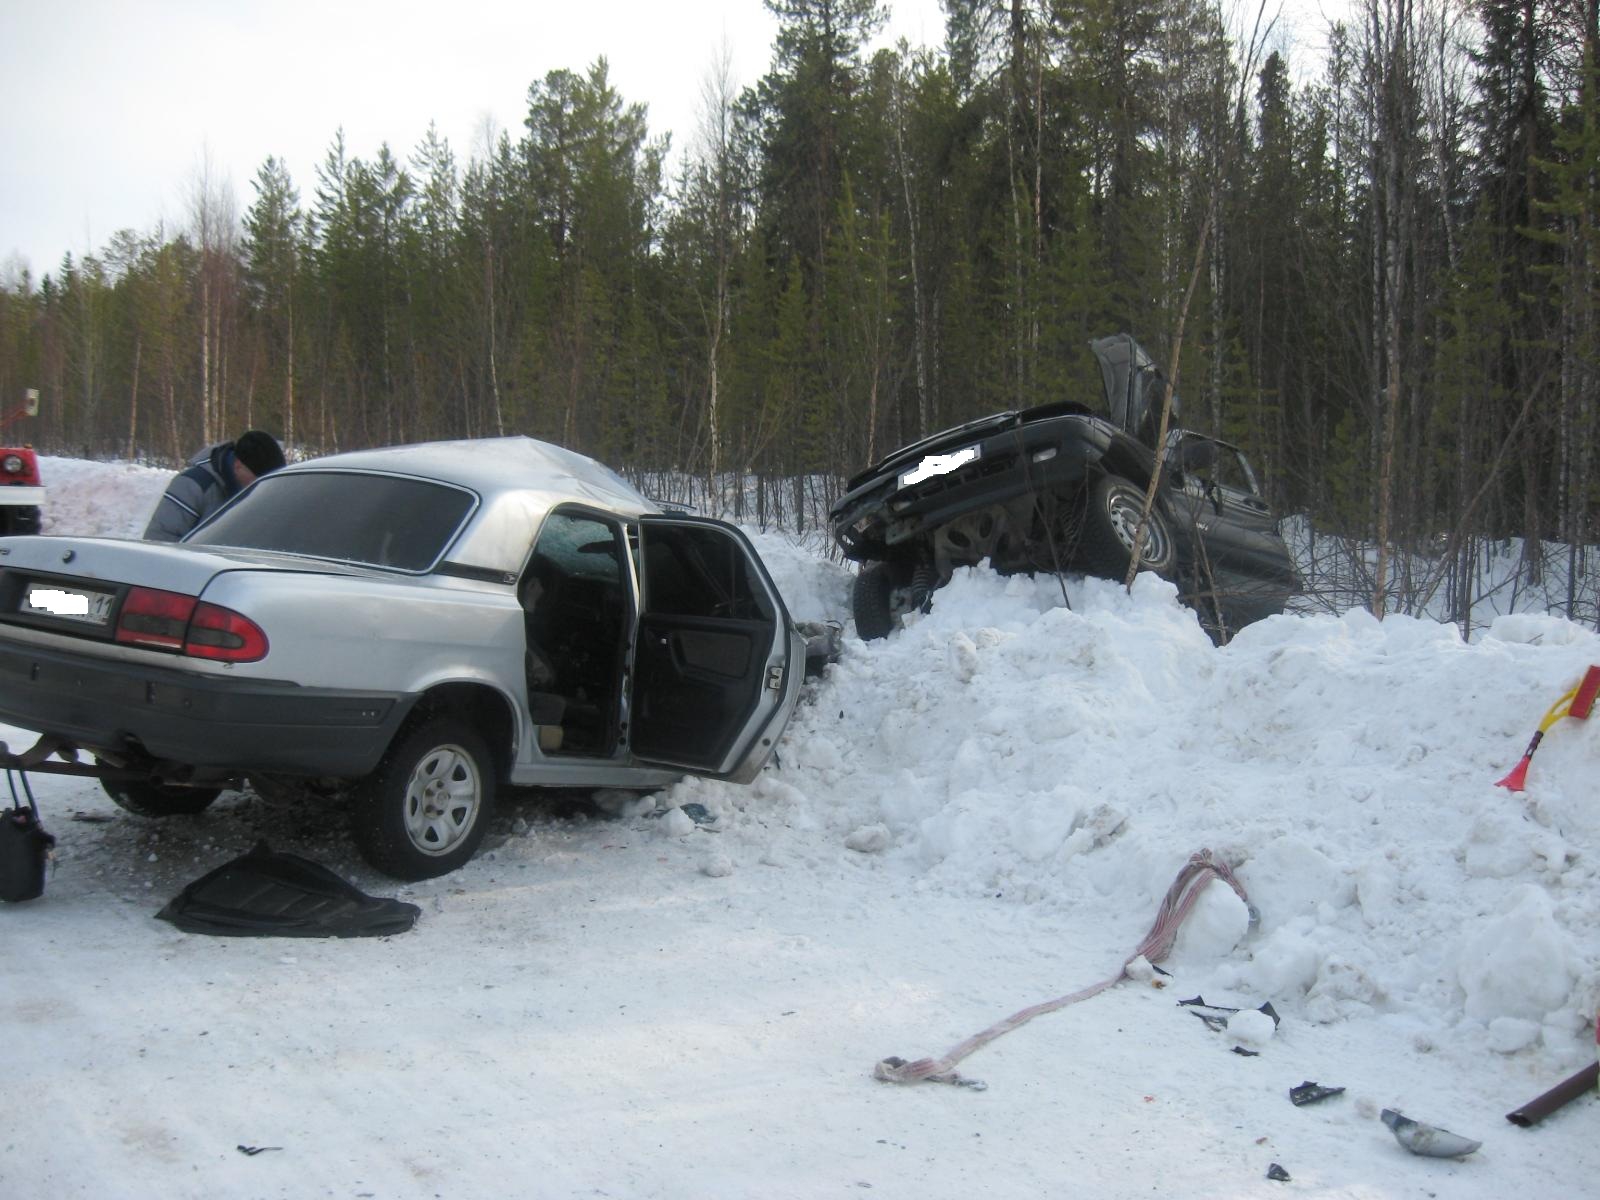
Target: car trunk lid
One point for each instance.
(168, 566)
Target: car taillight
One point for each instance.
(154, 618)
(222, 634)
(172, 621)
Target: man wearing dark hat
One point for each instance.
(213, 477)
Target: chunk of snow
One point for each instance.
(1251, 1028)
(869, 839)
(676, 824)
(1516, 964)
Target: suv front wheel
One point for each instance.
(1110, 525)
(424, 811)
(872, 600)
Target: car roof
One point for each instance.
(518, 481)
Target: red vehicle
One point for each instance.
(21, 490)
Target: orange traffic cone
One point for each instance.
(1577, 703)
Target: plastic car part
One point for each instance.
(1427, 1140)
(269, 894)
(1309, 1093)
(424, 810)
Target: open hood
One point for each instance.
(1133, 385)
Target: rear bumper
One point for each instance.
(233, 725)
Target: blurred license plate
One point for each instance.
(939, 464)
(68, 603)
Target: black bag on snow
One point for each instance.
(24, 854)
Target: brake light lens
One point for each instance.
(222, 634)
(182, 624)
(154, 618)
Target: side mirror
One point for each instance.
(30, 402)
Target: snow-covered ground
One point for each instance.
(977, 814)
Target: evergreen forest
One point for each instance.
(1377, 277)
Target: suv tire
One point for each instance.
(1109, 525)
(146, 799)
(424, 811)
(870, 601)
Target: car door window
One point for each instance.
(575, 612)
(695, 572)
(1232, 473)
(710, 655)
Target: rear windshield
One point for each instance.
(355, 517)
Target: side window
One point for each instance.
(1233, 473)
(1208, 463)
(693, 572)
(576, 601)
(575, 546)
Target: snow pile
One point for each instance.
(1072, 759)
(99, 499)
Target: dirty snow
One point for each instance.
(977, 814)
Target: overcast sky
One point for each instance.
(113, 108)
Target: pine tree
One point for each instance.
(273, 250)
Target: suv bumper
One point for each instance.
(880, 514)
(236, 725)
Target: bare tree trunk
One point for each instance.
(494, 370)
(1393, 58)
(919, 307)
(172, 420)
(205, 357)
(1166, 399)
(133, 398)
(288, 383)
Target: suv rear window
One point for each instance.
(347, 516)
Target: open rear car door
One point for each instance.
(717, 664)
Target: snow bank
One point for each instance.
(1071, 758)
(99, 499)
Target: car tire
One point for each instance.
(1110, 523)
(870, 601)
(425, 810)
(146, 799)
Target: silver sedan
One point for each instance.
(428, 621)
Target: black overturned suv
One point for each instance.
(1060, 487)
